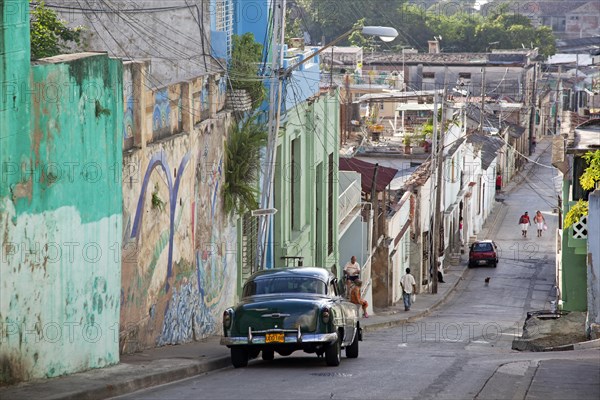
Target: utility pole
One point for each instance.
(533, 110)
(438, 158)
(275, 91)
(375, 205)
(482, 99)
(557, 101)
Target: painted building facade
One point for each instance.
(306, 184)
(60, 208)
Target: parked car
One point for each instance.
(284, 310)
(483, 252)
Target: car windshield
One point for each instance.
(482, 247)
(284, 285)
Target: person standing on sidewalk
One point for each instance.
(409, 286)
(524, 221)
(540, 221)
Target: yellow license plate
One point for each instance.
(275, 338)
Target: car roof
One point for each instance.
(484, 241)
(308, 272)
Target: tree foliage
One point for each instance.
(242, 166)
(588, 180)
(246, 56)
(461, 29)
(50, 35)
(591, 175)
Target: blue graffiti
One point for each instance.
(128, 120)
(160, 160)
(161, 115)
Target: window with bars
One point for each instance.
(249, 245)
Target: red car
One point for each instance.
(483, 252)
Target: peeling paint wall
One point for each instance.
(179, 249)
(60, 214)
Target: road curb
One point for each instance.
(152, 380)
(590, 344)
(121, 383)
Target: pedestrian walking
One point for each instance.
(356, 298)
(540, 222)
(409, 286)
(524, 221)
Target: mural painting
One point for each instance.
(161, 115)
(179, 264)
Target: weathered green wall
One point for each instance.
(14, 77)
(60, 217)
(574, 266)
(315, 125)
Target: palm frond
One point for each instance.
(242, 165)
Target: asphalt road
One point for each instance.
(461, 351)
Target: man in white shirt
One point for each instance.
(409, 286)
(351, 272)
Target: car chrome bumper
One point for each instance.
(289, 339)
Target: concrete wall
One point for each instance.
(179, 249)
(175, 40)
(399, 230)
(593, 259)
(60, 211)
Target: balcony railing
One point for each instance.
(348, 200)
(580, 230)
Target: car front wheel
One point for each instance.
(333, 353)
(352, 350)
(239, 357)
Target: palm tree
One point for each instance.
(242, 165)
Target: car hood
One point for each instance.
(278, 312)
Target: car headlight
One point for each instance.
(227, 318)
(325, 315)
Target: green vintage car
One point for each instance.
(284, 310)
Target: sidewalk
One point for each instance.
(544, 379)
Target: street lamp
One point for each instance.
(387, 34)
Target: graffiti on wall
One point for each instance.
(160, 160)
(181, 278)
(161, 115)
(128, 120)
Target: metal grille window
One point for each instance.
(249, 245)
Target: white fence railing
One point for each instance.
(349, 199)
